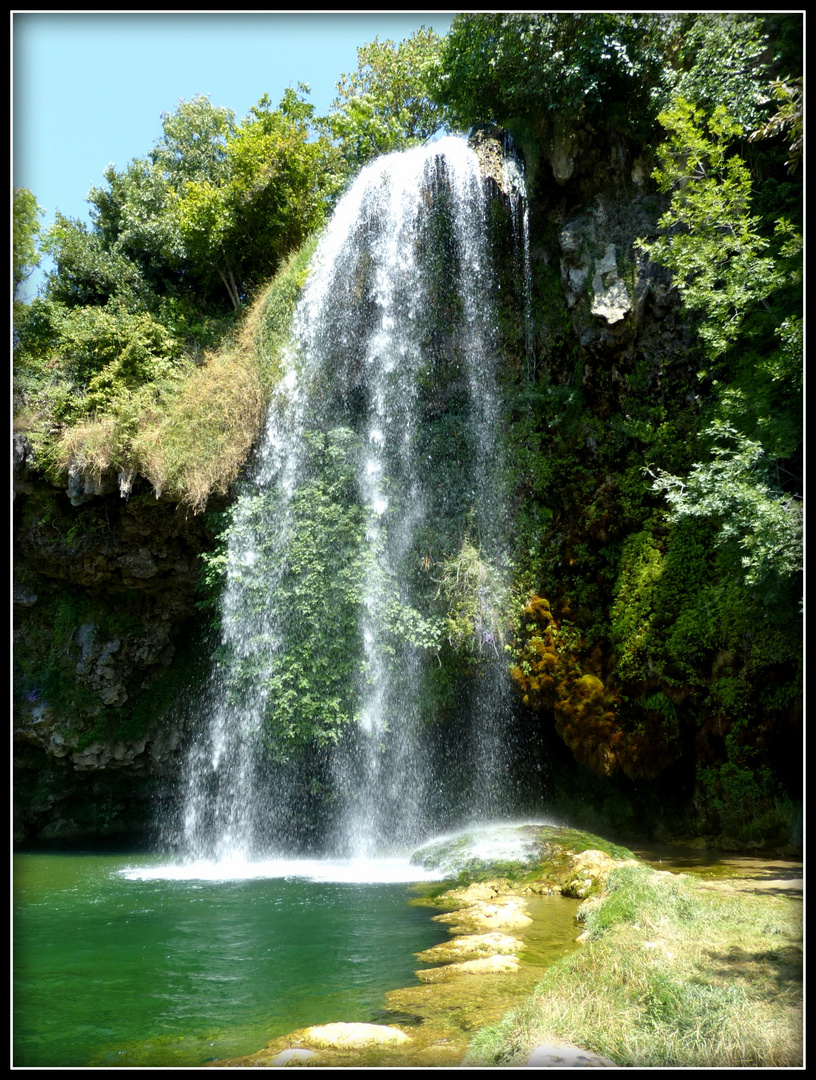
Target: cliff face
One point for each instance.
(104, 606)
(640, 647)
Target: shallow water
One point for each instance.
(120, 962)
(714, 863)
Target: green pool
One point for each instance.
(116, 967)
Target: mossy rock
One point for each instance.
(527, 855)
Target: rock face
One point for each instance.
(104, 606)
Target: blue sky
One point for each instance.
(90, 89)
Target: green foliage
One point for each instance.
(751, 514)
(727, 271)
(384, 105)
(496, 66)
(718, 60)
(123, 387)
(86, 271)
(133, 215)
(476, 598)
(110, 351)
(788, 120)
(712, 244)
(26, 231)
(304, 665)
(737, 792)
(209, 213)
(269, 195)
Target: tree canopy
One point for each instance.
(385, 105)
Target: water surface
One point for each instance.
(114, 966)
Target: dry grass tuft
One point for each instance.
(191, 434)
(198, 444)
(91, 447)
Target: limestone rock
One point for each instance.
(589, 871)
(470, 947)
(481, 915)
(566, 1057)
(293, 1056)
(485, 965)
(611, 299)
(349, 1036)
(563, 148)
(85, 484)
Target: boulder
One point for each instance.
(566, 1057)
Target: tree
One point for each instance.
(710, 240)
(194, 143)
(135, 214)
(86, 271)
(718, 59)
(789, 119)
(385, 105)
(743, 285)
(735, 489)
(497, 66)
(26, 231)
(745, 290)
(267, 194)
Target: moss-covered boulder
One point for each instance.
(524, 858)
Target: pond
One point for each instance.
(119, 964)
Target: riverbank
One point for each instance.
(675, 972)
(668, 969)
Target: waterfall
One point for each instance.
(367, 540)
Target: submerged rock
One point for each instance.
(293, 1056)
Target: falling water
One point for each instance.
(392, 388)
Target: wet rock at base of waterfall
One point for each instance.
(485, 965)
(489, 851)
(588, 873)
(348, 1036)
(522, 859)
(470, 947)
(565, 1057)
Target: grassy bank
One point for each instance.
(186, 424)
(673, 972)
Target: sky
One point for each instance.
(89, 89)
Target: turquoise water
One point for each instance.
(110, 970)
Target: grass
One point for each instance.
(190, 433)
(672, 974)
